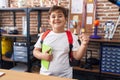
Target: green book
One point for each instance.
(44, 49)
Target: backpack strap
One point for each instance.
(70, 40)
(44, 35)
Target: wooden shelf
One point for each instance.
(17, 35)
(110, 73)
(105, 40)
(95, 69)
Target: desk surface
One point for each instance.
(15, 75)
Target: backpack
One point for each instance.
(70, 40)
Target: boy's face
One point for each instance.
(57, 20)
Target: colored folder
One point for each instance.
(44, 49)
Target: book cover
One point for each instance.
(44, 49)
(2, 73)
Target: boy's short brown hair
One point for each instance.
(55, 8)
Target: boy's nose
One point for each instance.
(56, 17)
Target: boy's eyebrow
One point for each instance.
(59, 12)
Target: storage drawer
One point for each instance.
(20, 58)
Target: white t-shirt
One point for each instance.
(59, 66)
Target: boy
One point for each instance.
(57, 39)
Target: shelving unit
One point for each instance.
(96, 71)
(27, 12)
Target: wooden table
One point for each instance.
(15, 75)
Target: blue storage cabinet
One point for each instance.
(20, 51)
(110, 61)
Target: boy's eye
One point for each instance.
(53, 16)
(60, 15)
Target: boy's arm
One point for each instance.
(83, 47)
(80, 52)
(37, 52)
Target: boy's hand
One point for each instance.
(47, 56)
(84, 39)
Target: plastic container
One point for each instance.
(7, 45)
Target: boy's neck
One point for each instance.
(58, 31)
